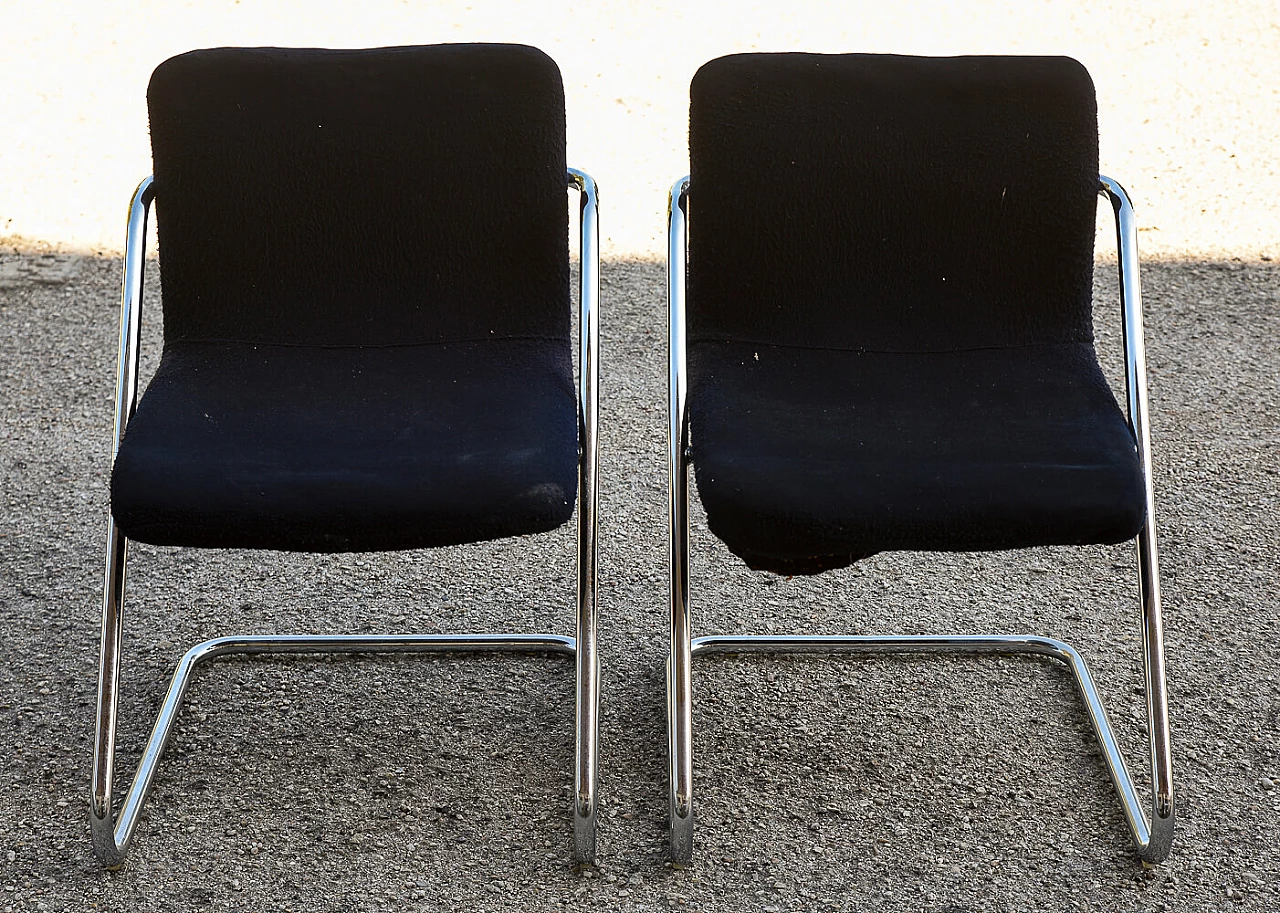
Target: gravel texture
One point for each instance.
(843, 784)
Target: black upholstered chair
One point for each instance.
(887, 344)
(367, 341)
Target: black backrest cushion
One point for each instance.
(892, 203)
(362, 197)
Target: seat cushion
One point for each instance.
(807, 459)
(304, 448)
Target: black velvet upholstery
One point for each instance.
(364, 268)
(889, 309)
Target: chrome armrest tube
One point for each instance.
(135, 253)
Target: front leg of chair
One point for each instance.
(680, 660)
(101, 820)
(109, 847)
(587, 705)
(680, 705)
(1159, 838)
(680, 679)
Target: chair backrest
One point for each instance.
(889, 203)
(363, 197)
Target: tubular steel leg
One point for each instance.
(679, 662)
(105, 845)
(1155, 844)
(1152, 847)
(680, 704)
(680, 687)
(587, 704)
(108, 850)
(1162, 816)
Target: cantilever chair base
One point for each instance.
(1152, 841)
(112, 832)
(1152, 836)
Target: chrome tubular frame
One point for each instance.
(587, 703)
(680, 660)
(1152, 836)
(113, 831)
(1155, 835)
(109, 847)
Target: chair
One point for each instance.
(365, 283)
(887, 345)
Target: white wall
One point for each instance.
(1189, 92)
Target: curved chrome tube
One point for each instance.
(963, 643)
(679, 662)
(104, 756)
(112, 834)
(1153, 837)
(131, 308)
(587, 703)
(112, 842)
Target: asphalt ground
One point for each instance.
(412, 783)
